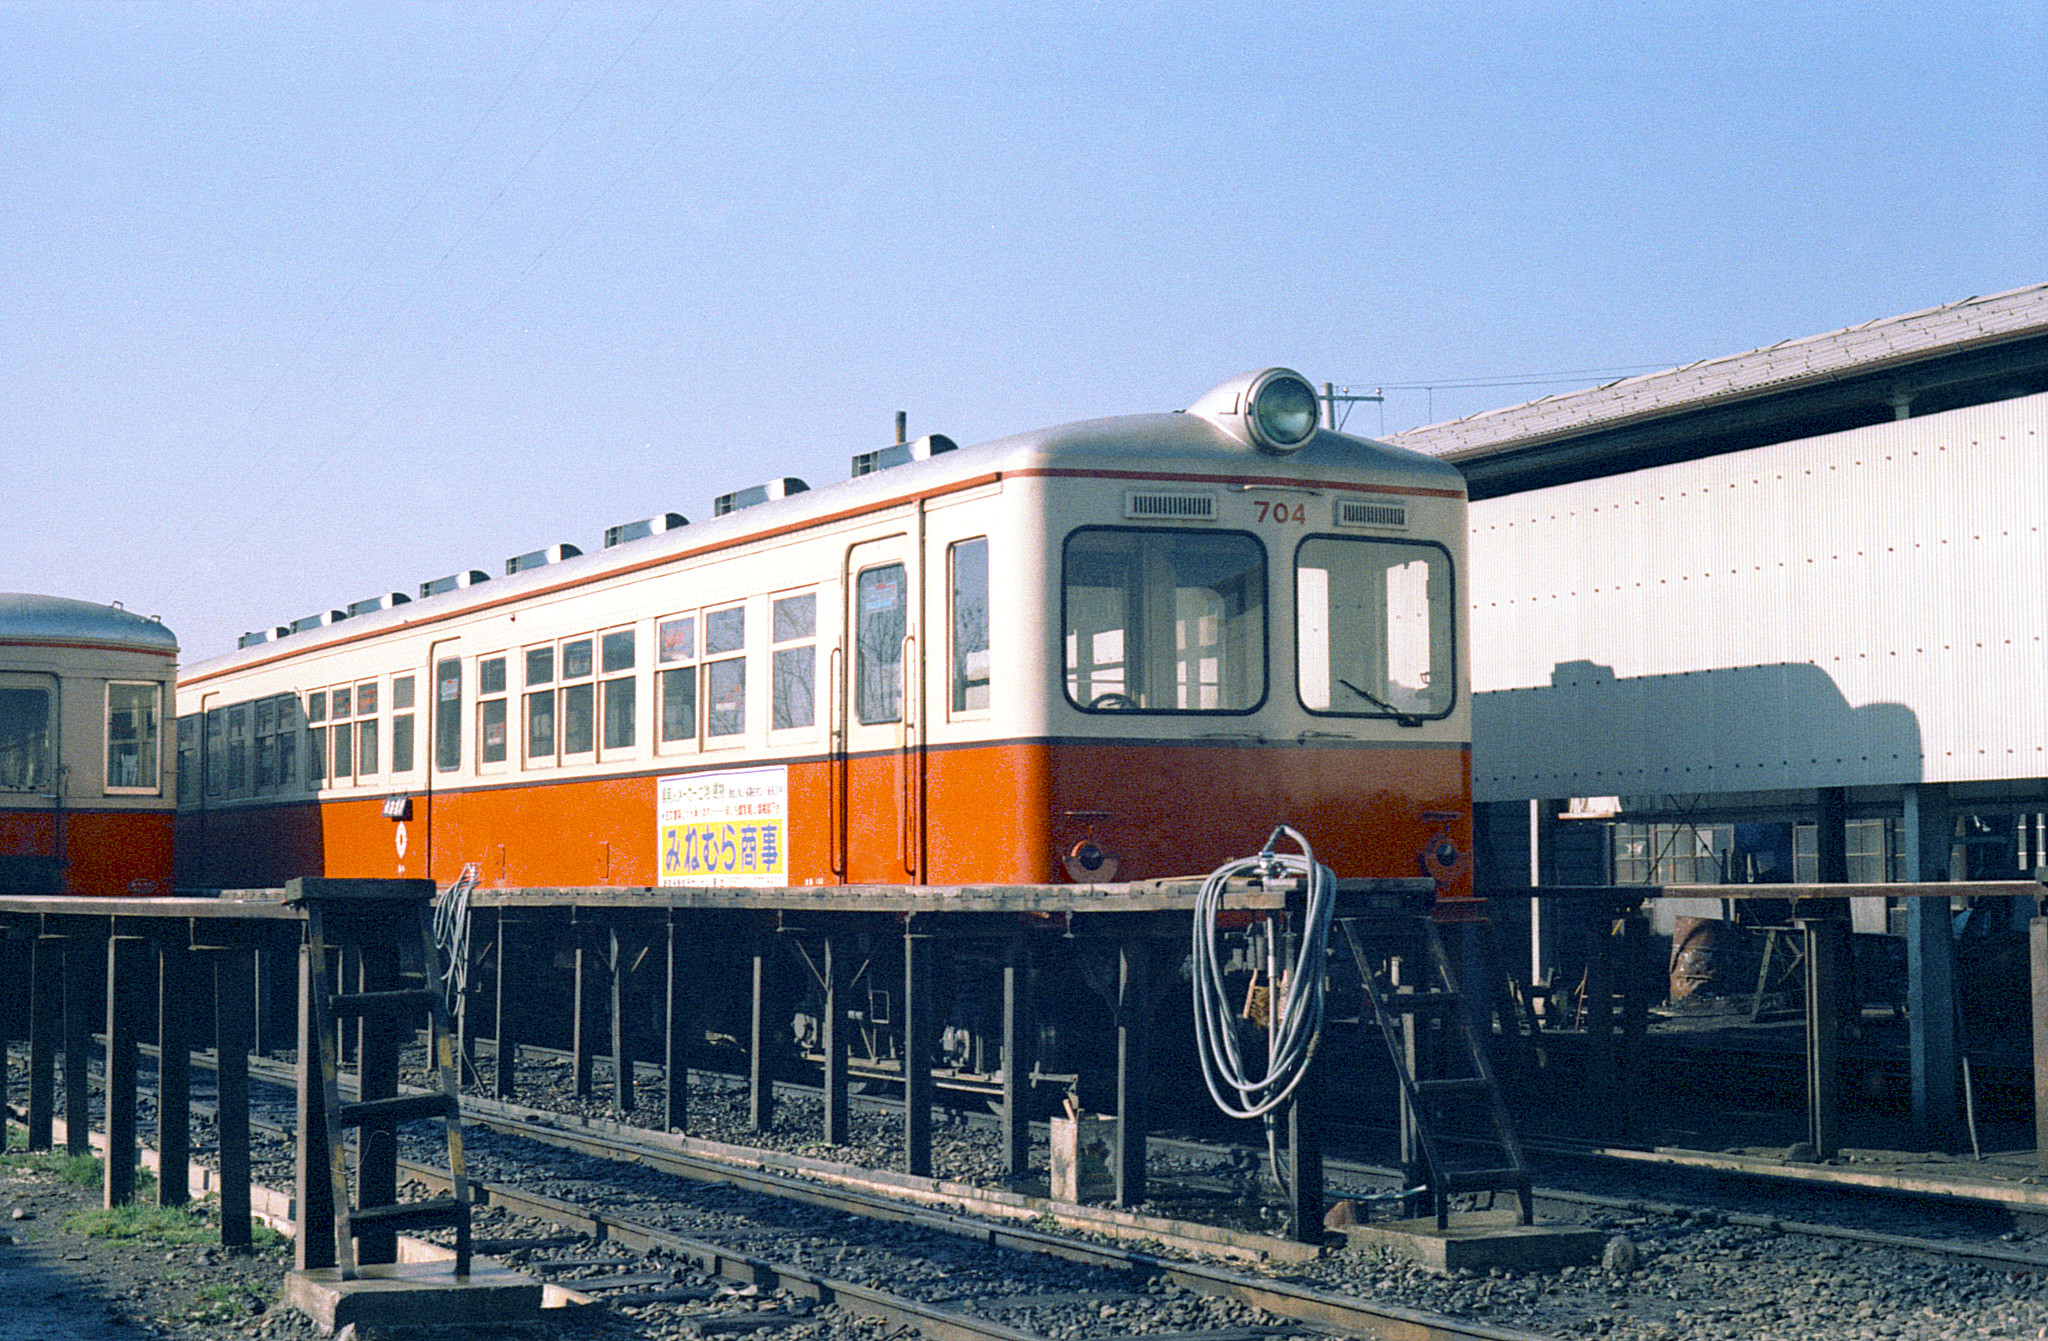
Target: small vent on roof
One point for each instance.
(376, 603)
(1386, 513)
(540, 558)
(251, 639)
(902, 453)
(640, 530)
(760, 493)
(453, 582)
(1156, 505)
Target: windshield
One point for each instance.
(1165, 621)
(1373, 632)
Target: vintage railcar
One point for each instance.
(1106, 651)
(85, 792)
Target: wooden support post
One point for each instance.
(1305, 1153)
(79, 953)
(506, 1014)
(45, 1029)
(677, 1031)
(622, 1043)
(1133, 1066)
(583, 1035)
(1635, 1019)
(276, 966)
(917, 1055)
(173, 1070)
(1602, 1079)
(234, 1013)
(760, 1081)
(1931, 1021)
(379, 1040)
(834, 1040)
(1827, 954)
(312, 1177)
(127, 978)
(1016, 1117)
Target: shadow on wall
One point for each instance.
(1590, 732)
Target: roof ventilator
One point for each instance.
(640, 530)
(760, 493)
(376, 603)
(453, 582)
(540, 558)
(902, 453)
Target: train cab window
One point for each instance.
(969, 564)
(794, 631)
(725, 680)
(616, 656)
(1374, 628)
(880, 602)
(401, 723)
(1165, 621)
(24, 739)
(132, 733)
(677, 655)
(367, 732)
(492, 738)
(447, 715)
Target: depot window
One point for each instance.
(1374, 628)
(1165, 621)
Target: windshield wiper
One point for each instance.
(1400, 718)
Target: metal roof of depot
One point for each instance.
(42, 621)
(1856, 351)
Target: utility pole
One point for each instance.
(1333, 395)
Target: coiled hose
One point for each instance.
(1297, 1017)
(451, 933)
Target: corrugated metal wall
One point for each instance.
(1861, 608)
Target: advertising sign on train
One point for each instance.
(726, 828)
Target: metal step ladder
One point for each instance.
(1428, 1029)
(374, 918)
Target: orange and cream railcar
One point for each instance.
(1112, 650)
(85, 793)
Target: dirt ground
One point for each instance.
(57, 1282)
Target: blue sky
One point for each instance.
(300, 303)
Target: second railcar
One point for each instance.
(1110, 650)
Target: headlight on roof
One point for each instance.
(1283, 411)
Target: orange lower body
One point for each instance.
(1008, 813)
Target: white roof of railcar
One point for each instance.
(1852, 352)
(30, 620)
(1146, 446)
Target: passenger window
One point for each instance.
(492, 741)
(132, 736)
(401, 724)
(366, 729)
(678, 638)
(795, 662)
(238, 749)
(448, 715)
(288, 726)
(540, 705)
(266, 745)
(578, 700)
(879, 604)
(616, 650)
(725, 681)
(1165, 621)
(24, 740)
(970, 624)
(1374, 635)
(188, 757)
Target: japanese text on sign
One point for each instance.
(726, 828)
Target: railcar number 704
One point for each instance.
(1281, 513)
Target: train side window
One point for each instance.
(24, 739)
(132, 736)
(216, 750)
(316, 756)
(540, 705)
(793, 633)
(1374, 622)
(288, 726)
(492, 725)
(188, 758)
(401, 723)
(447, 715)
(238, 749)
(341, 739)
(1165, 621)
(266, 745)
(969, 563)
(616, 656)
(725, 681)
(367, 725)
(879, 606)
(678, 644)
